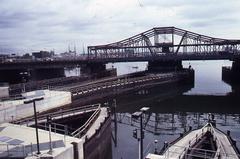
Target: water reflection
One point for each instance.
(175, 107)
(171, 113)
(167, 127)
(208, 77)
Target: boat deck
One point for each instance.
(180, 149)
(227, 150)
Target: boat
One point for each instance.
(207, 142)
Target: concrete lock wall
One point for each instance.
(68, 153)
(11, 110)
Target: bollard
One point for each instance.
(190, 128)
(234, 143)
(181, 134)
(165, 144)
(228, 133)
(155, 150)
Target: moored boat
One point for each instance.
(207, 142)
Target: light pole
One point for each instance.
(49, 121)
(23, 75)
(35, 117)
(137, 115)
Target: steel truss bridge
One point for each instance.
(168, 43)
(157, 44)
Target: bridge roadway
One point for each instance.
(78, 61)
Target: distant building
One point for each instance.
(69, 53)
(43, 54)
(3, 57)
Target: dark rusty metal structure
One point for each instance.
(164, 41)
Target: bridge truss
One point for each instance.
(164, 41)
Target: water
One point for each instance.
(174, 108)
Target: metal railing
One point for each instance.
(58, 114)
(56, 128)
(198, 153)
(83, 129)
(16, 150)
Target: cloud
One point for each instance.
(34, 25)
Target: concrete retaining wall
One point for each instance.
(16, 109)
(4, 92)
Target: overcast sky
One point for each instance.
(32, 25)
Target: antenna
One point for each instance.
(68, 47)
(75, 51)
(83, 49)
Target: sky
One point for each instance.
(33, 25)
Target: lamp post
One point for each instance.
(24, 79)
(35, 117)
(137, 115)
(49, 121)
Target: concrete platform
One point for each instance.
(20, 141)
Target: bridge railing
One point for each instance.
(119, 55)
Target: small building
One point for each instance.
(43, 54)
(3, 57)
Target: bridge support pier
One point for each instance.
(24, 75)
(14, 76)
(40, 74)
(164, 66)
(97, 70)
(231, 75)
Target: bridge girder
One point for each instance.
(150, 43)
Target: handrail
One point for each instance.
(62, 112)
(201, 151)
(64, 129)
(79, 131)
